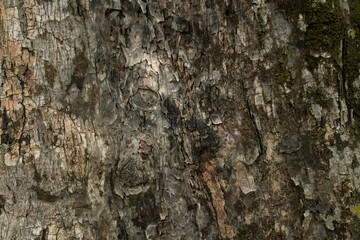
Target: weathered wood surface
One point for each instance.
(169, 119)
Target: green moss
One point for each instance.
(352, 53)
(292, 8)
(325, 22)
(326, 26)
(351, 68)
(356, 210)
(351, 59)
(355, 11)
(317, 95)
(354, 225)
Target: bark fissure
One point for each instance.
(257, 130)
(22, 84)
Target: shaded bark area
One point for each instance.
(166, 119)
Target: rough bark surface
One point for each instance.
(169, 119)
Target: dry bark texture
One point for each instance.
(169, 119)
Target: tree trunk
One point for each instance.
(169, 119)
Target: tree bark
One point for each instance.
(165, 119)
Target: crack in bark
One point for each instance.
(43, 234)
(22, 83)
(258, 133)
(63, 145)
